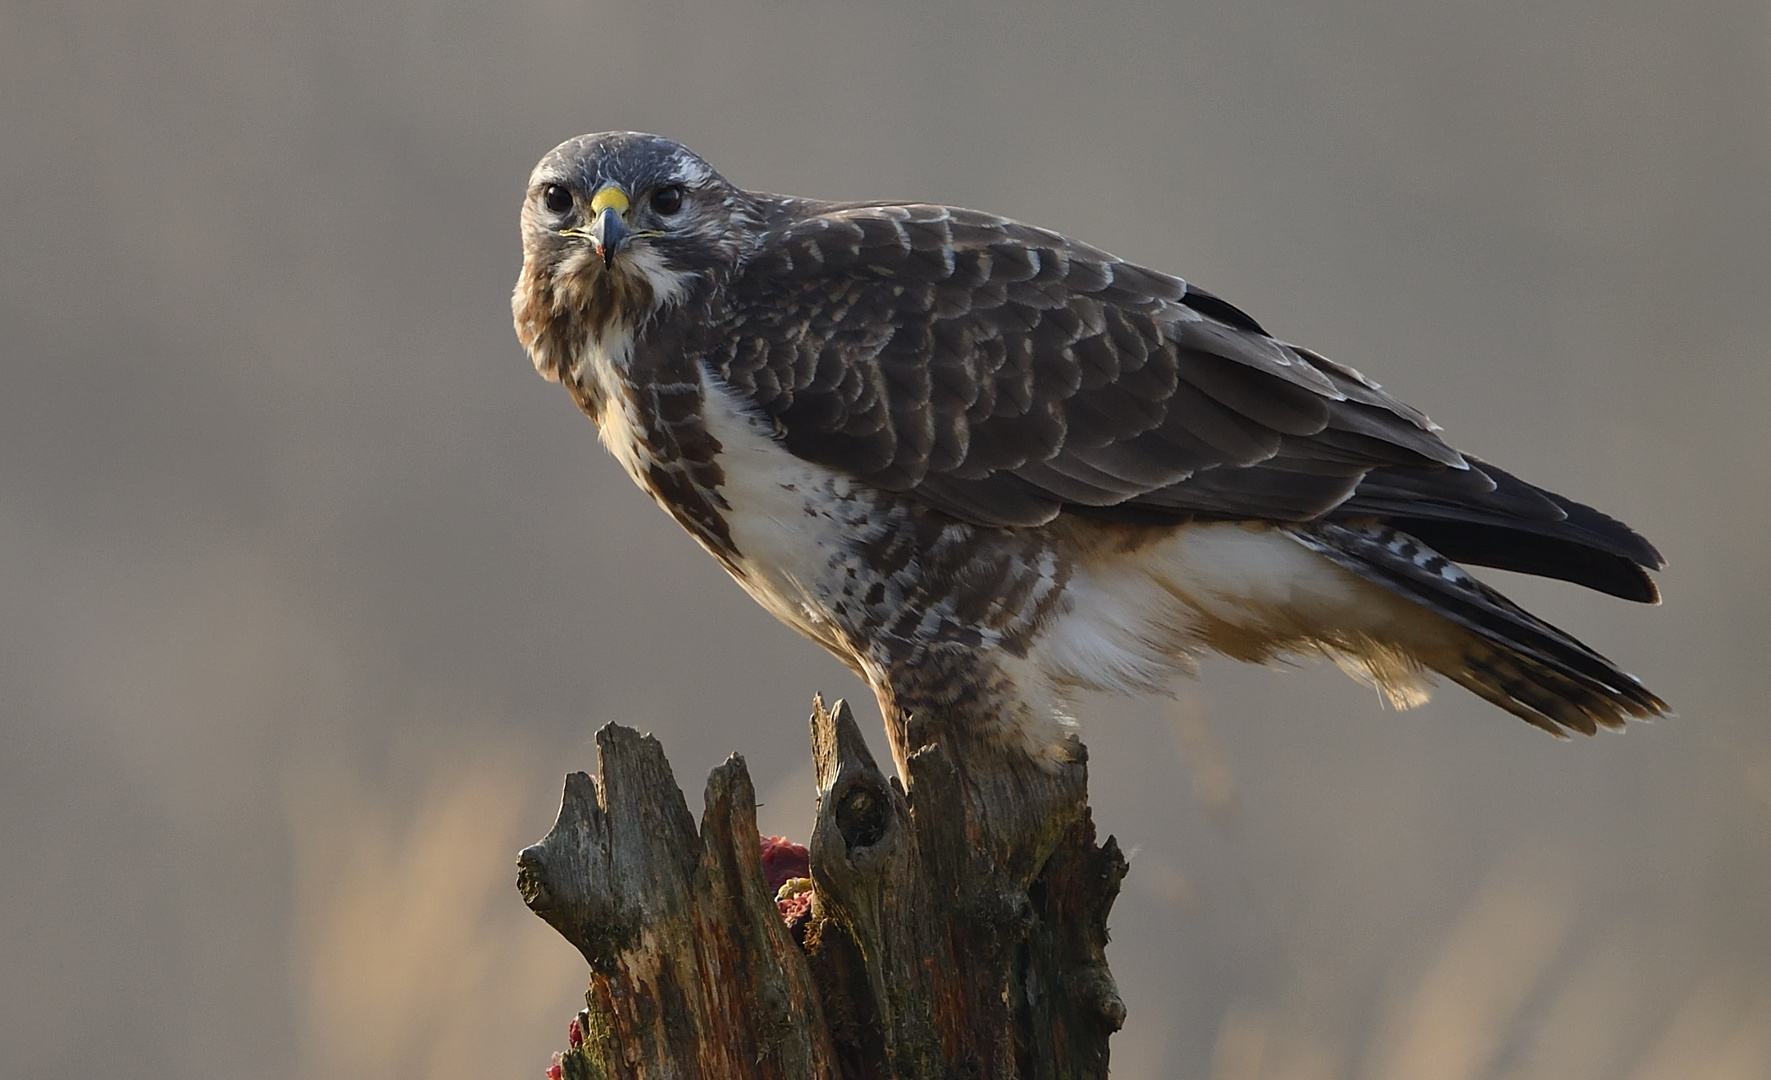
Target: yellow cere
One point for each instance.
(609, 196)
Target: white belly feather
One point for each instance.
(784, 518)
(784, 533)
(1250, 591)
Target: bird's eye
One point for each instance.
(556, 198)
(668, 199)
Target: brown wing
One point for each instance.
(1005, 374)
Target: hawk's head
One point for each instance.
(615, 227)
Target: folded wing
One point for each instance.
(1005, 375)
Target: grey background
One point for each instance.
(311, 590)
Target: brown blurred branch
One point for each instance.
(957, 926)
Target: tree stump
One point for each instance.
(958, 921)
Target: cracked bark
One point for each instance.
(958, 921)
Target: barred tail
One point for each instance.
(1497, 650)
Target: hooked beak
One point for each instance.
(608, 232)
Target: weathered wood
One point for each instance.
(961, 922)
(692, 972)
(958, 922)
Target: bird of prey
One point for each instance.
(988, 466)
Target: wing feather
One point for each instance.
(1002, 373)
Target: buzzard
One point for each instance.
(988, 466)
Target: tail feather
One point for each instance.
(1506, 655)
(1486, 516)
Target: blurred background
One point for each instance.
(310, 589)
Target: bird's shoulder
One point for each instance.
(905, 244)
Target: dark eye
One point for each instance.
(556, 198)
(668, 199)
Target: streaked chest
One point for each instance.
(794, 524)
(648, 411)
